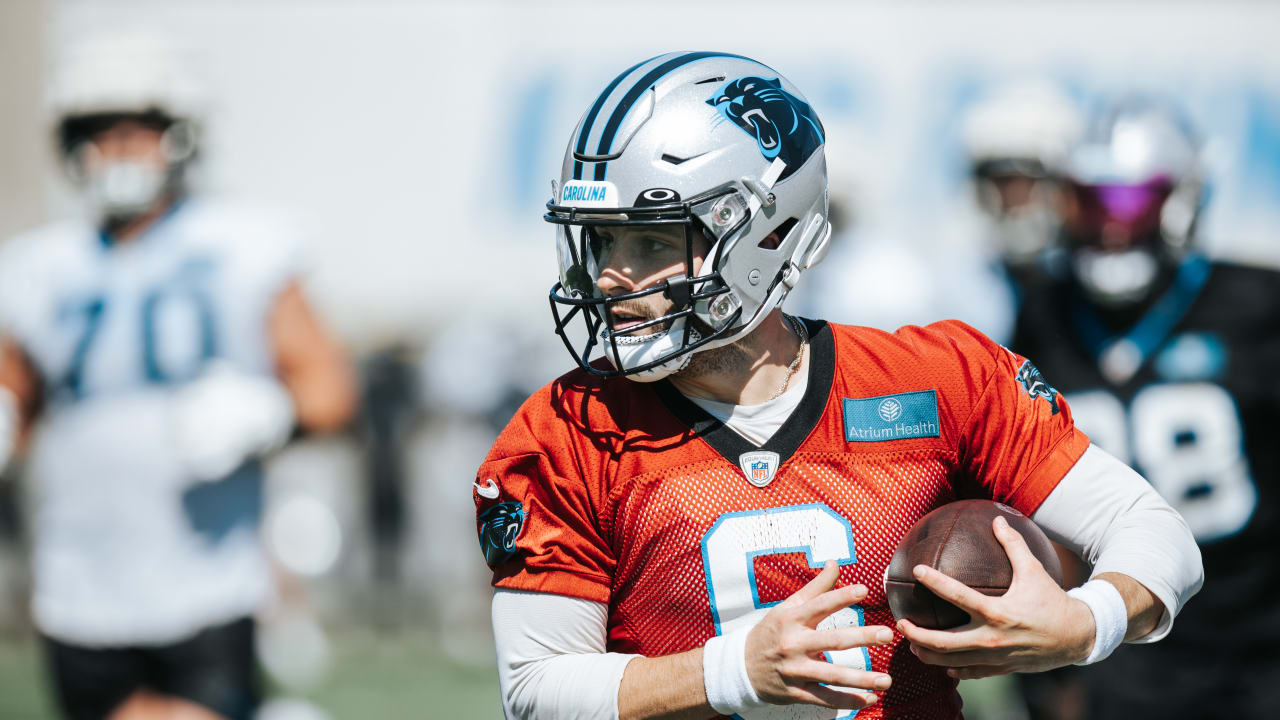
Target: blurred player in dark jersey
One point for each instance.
(1168, 360)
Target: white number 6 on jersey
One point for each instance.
(729, 550)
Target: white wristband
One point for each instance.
(724, 673)
(1110, 617)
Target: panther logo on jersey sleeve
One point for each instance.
(500, 525)
(1036, 386)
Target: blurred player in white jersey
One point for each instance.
(1016, 138)
(150, 355)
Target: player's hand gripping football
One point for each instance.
(1034, 626)
(784, 651)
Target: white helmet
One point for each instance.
(134, 74)
(1022, 131)
(1137, 189)
(719, 144)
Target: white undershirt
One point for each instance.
(1109, 515)
(758, 423)
(551, 648)
(551, 657)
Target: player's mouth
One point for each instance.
(624, 319)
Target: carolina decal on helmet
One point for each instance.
(784, 125)
(1035, 385)
(500, 525)
(587, 193)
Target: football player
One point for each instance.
(155, 353)
(1016, 139)
(700, 520)
(1168, 361)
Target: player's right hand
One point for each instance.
(784, 651)
(226, 416)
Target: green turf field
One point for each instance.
(392, 676)
(22, 691)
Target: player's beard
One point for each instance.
(736, 357)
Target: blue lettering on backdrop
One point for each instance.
(1262, 140)
(1244, 111)
(531, 142)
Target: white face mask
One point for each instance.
(1116, 278)
(124, 188)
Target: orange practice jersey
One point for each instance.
(629, 494)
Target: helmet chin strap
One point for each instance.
(638, 350)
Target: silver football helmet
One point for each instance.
(1136, 189)
(718, 145)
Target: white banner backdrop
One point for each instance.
(416, 141)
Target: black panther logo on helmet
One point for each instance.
(500, 525)
(1035, 385)
(784, 125)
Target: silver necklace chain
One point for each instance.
(799, 329)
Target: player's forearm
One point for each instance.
(19, 396)
(1112, 517)
(1142, 606)
(311, 364)
(1123, 609)
(668, 687)
(324, 398)
(553, 663)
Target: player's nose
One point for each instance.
(617, 275)
(613, 283)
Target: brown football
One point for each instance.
(957, 540)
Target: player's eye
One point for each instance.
(656, 243)
(601, 243)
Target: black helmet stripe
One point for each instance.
(624, 106)
(591, 117)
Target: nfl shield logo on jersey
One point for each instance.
(759, 466)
